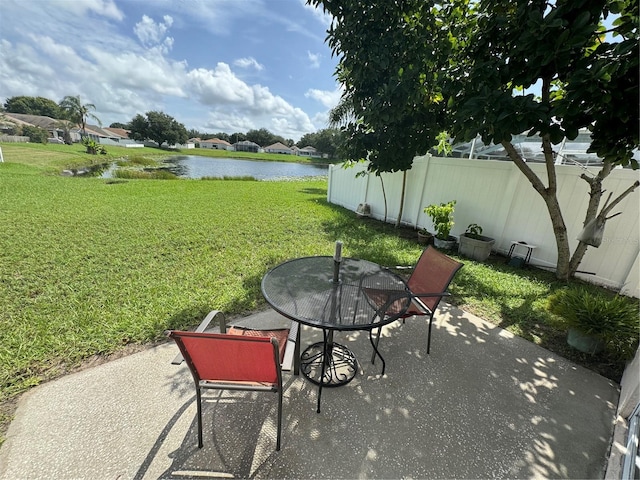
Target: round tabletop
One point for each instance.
(366, 296)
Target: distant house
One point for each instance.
(278, 148)
(105, 136)
(215, 144)
(308, 151)
(51, 125)
(246, 146)
(121, 132)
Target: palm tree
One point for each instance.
(78, 112)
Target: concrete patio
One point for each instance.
(483, 404)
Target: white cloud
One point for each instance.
(123, 75)
(328, 98)
(152, 34)
(248, 62)
(228, 96)
(218, 86)
(322, 16)
(314, 58)
(104, 8)
(150, 73)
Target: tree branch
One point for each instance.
(524, 168)
(607, 208)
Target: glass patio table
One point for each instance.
(335, 295)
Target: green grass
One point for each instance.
(90, 266)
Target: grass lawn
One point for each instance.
(91, 266)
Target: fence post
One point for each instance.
(1, 157)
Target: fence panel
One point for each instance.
(497, 196)
(14, 139)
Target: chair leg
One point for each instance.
(373, 357)
(199, 403)
(279, 418)
(429, 337)
(296, 353)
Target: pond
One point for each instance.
(193, 166)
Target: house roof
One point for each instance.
(277, 146)
(216, 140)
(247, 142)
(101, 132)
(36, 120)
(121, 132)
(309, 148)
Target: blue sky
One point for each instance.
(214, 65)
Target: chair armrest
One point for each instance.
(417, 296)
(439, 294)
(204, 324)
(291, 360)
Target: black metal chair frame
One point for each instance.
(416, 300)
(291, 361)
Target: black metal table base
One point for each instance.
(339, 369)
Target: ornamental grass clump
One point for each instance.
(613, 319)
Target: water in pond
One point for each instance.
(192, 166)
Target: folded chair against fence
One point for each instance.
(242, 359)
(427, 284)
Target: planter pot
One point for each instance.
(447, 244)
(363, 210)
(477, 249)
(584, 342)
(425, 238)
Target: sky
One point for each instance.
(214, 65)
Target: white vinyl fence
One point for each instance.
(497, 196)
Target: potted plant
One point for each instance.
(442, 218)
(424, 237)
(474, 245)
(597, 321)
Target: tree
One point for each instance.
(139, 127)
(328, 140)
(236, 137)
(263, 137)
(119, 125)
(159, 127)
(413, 69)
(65, 126)
(74, 110)
(35, 134)
(222, 136)
(33, 106)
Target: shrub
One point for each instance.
(93, 147)
(612, 318)
(442, 218)
(35, 134)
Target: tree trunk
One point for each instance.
(404, 184)
(595, 197)
(550, 198)
(384, 196)
(567, 264)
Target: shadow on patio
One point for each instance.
(483, 404)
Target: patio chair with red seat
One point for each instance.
(242, 359)
(427, 284)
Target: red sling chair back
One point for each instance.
(232, 362)
(428, 283)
